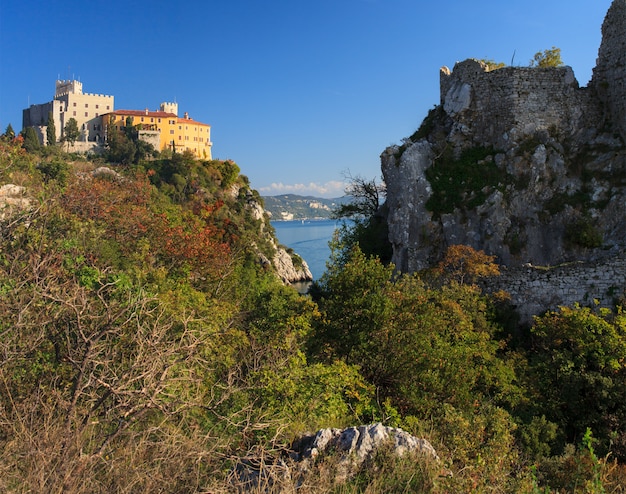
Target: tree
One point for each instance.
(31, 140)
(9, 132)
(577, 367)
(367, 227)
(71, 132)
(366, 198)
(51, 131)
(464, 264)
(547, 58)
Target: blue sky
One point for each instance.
(298, 93)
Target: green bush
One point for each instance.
(583, 233)
(464, 182)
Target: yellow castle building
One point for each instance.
(164, 129)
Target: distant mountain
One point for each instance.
(295, 207)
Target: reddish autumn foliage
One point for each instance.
(122, 207)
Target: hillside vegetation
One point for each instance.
(145, 348)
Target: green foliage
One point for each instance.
(464, 182)
(547, 58)
(367, 227)
(390, 473)
(366, 198)
(583, 233)
(125, 147)
(51, 131)
(419, 345)
(9, 133)
(577, 367)
(492, 65)
(427, 124)
(31, 140)
(229, 172)
(577, 470)
(71, 132)
(55, 169)
(145, 348)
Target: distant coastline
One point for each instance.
(292, 207)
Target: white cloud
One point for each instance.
(330, 189)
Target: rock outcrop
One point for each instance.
(12, 198)
(519, 162)
(357, 444)
(349, 448)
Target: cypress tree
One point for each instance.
(10, 133)
(51, 131)
(31, 140)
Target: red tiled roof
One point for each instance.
(157, 114)
(143, 113)
(189, 120)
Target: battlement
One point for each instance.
(98, 95)
(63, 88)
(68, 87)
(169, 108)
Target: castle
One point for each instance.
(95, 116)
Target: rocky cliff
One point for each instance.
(289, 267)
(520, 162)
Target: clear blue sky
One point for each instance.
(297, 92)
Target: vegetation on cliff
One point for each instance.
(145, 349)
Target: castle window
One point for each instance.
(86, 114)
(107, 107)
(74, 113)
(74, 104)
(86, 105)
(97, 106)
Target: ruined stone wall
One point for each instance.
(534, 290)
(609, 75)
(505, 105)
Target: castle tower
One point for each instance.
(169, 108)
(609, 75)
(68, 87)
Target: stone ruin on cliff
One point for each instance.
(559, 196)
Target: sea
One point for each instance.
(309, 239)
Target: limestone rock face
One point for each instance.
(290, 268)
(609, 75)
(289, 272)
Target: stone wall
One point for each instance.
(505, 105)
(534, 289)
